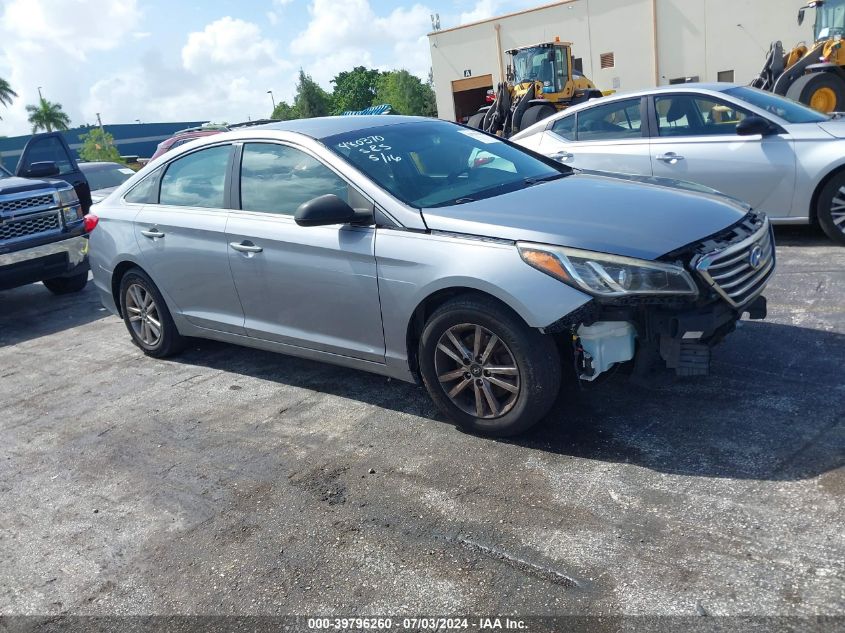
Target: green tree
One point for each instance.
(284, 112)
(310, 100)
(406, 93)
(47, 116)
(355, 89)
(98, 144)
(6, 93)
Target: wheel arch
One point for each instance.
(427, 306)
(814, 199)
(117, 276)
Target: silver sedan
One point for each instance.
(417, 248)
(773, 153)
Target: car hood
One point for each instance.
(834, 127)
(622, 215)
(21, 185)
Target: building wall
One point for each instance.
(694, 38)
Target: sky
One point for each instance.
(189, 60)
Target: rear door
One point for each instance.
(312, 287)
(182, 238)
(696, 140)
(604, 137)
(52, 147)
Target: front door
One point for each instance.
(312, 287)
(183, 240)
(697, 141)
(52, 148)
(605, 137)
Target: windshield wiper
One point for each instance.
(463, 200)
(538, 179)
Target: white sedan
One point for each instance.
(773, 153)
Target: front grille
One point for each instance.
(740, 271)
(27, 203)
(29, 225)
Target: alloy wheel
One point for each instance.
(144, 317)
(477, 371)
(837, 209)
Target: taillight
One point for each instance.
(89, 222)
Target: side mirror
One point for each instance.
(801, 16)
(753, 125)
(324, 211)
(43, 169)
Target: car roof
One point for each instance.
(321, 127)
(621, 96)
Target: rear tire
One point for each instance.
(824, 92)
(830, 209)
(476, 120)
(535, 113)
(146, 316)
(510, 377)
(66, 285)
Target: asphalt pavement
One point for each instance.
(234, 481)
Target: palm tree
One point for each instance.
(47, 116)
(6, 93)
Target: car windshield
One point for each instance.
(531, 64)
(106, 178)
(788, 110)
(4, 172)
(433, 163)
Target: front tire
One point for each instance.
(67, 285)
(824, 92)
(534, 114)
(146, 316)
(486, 369)
(830, 209)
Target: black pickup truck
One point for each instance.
(43, 223)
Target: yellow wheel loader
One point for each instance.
(813, 75)
(540, 81)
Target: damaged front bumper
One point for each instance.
(731, 270)
(679, 336)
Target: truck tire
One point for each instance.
(146, 316)
(476, 120)
(824, 92)
(486, 369)
(66, 285)
(830, 209)
(535, 113)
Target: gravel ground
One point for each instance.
(232, 481)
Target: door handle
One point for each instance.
(670, 157)
(562, 156)
(245, 247)
(152, 233)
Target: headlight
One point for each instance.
(607, 275)
(69, 202)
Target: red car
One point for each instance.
(185, 136)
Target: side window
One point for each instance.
(617, 120)
(277, 179)
(565, 127)
(146, 191)
(197, 180)
(48, 149)
(690, 115)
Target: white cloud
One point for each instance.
(42, 43)
(482, 10)
(355, 32)
(227, 42)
